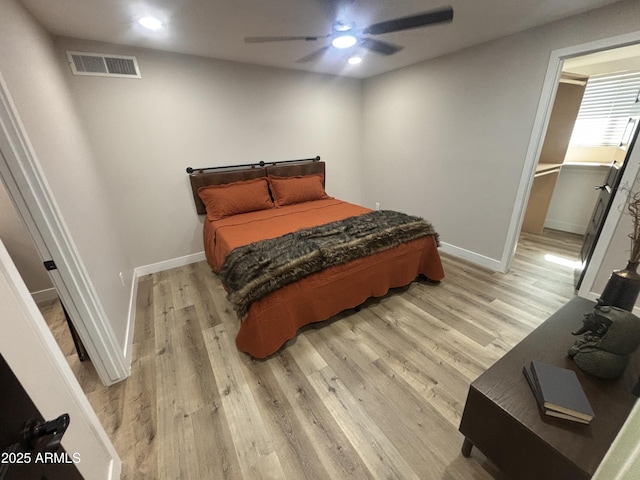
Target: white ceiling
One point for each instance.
(216, 28)
(605, 62)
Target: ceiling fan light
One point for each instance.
(354, 60)
(344, 41)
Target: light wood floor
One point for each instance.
(371, 394)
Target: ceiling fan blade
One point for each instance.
(313, 55)
(441, 15)
(383, 48)
(282, 39)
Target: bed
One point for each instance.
(278, 210)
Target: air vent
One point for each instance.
(98, 64)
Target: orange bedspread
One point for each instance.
(224, 235)
(278, 316)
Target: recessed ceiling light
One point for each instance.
(150, 23)
(354, 60)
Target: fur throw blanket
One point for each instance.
(252, 271)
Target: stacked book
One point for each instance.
(558, 392)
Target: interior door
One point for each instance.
(28, 460)
(601, 209)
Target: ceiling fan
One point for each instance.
(345, 34)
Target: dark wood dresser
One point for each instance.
(501, 417)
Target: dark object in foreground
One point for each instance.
(612, 336)
(502, 420)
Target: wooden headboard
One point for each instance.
(203, 177)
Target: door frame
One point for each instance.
(29, 191)
(541, 122)
(618, 206)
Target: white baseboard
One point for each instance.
(169, 264)
(44, 296)
(146, 270)
(565, 227)
(491, 263)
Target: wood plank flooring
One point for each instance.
(371, 394)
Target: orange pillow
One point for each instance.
(233, 198)
(289, 190)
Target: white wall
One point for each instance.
(447, 139)
(574, 197)
(41, 95)
(198, 112)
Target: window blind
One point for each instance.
(605, 109)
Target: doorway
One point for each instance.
(23, 252)
(550, 86)
(574, 161)
(27, 347)
(22, 177)
(546, 209)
